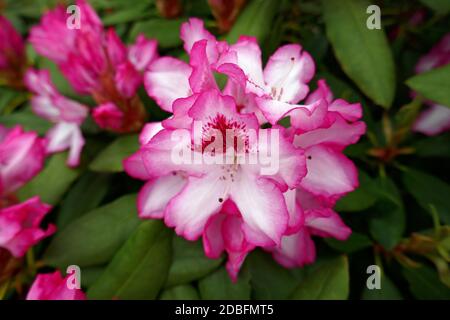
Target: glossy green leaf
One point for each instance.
(218, 286)
(167, 32)
(429, 191)
(356, 242)
(182, 292)
(330, 281)
(84, 196)
(95, 237)
(189, 262)
(90, 274)
(440, 6)
(364, 54)
(255, 20)
(27, 120)
(362, 198)
(424, 283)
(140, 267)
(52, 182)
(269, 280)
(387, 291)
(438, 146)
(111, 158)
(132, 13)
(433, 85)
(387, 223)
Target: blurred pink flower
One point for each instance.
(20, 226)
(108, 116)
(52, 286)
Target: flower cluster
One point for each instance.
(236, 205)
(436, 118)
(22, 156)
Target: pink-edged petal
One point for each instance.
(279, 159)
(65, 136)
(44, 107)
(433, 121)
(202, 77)
(330, 173)
(143, 52)
(287, 72)
(311, 117)
(327, 223)
(349, 111)
(213, 242)
(296, 216)
(156, 194)
(193, 31)
(149, 131)
(189, 211)
(116, 49)
(39, 82)
(249, 60)
(180, 118)
(164, 154)
(296, 250)
(263, 209)
(338, 135)
(166, 80)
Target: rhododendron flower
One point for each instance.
(436, 118)
(96, 61)
(235, 205)
(108, 116)
(20, 226)
(52, 286)
(258, 197)
(12, 54)
(68, 115)
(22, 156)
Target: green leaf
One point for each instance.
(330, 281)
(388, 221)
(388, 291)
(255, 20)
(438, 146)
(95, 237)
(362, 198)
(28, 121)
(85, 195)
(218, 286)
(440, 6)
(433, 85)
(52, 182)
(136, 12)
(167, 32)
(424, 283)
(140, 268)
(364, 54)
(183, 292)
(356, 242)
(189, 262)
(111, 158)
(429, 191)
(269, 280)
(90, 275)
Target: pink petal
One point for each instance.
(65, 136)
(127, 79)
(263, 209)
(143, 52)
(193, 31)
(213, 242)
(116, 49)
(287, 71)
(433, 121)
(156, 194)
(108, 116)
(188, 212)
(296, 250)
(202, 77)
(52, 286)
(166, 80)
(327, 223)
(149, 131)
(329, 172)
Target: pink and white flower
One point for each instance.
(436, 119)
(22, 156)
(20, 226)
(68, 115)
(52, 286)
